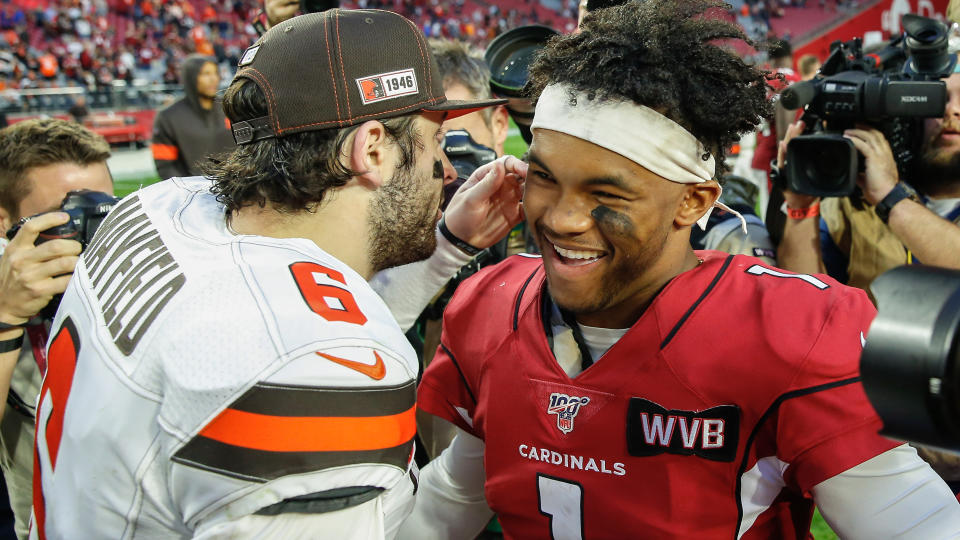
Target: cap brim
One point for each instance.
(458, 107)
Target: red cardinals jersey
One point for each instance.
(732, 396)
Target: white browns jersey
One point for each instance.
(197, 376)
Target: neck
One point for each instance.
(205, 102)
(943, 190)
(627, 312)
(336, 226)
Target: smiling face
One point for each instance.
(612, 233)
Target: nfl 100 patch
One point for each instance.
(566, 408)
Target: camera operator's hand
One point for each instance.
(799, 249)
(792, 198)
(880, 168)
(31, 275)
(487, 205)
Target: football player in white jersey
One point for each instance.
(219, 366)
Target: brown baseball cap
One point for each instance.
(340, 67)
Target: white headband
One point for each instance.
(637, 133)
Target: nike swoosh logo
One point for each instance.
(863, 342)
(376, 371)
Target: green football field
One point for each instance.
(514, 146)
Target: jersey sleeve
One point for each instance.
(166, 153)
(444, 390)
(408, 289)
(825, 423)
(892, 494)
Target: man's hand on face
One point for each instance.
(31, 275)
(487, 205)
(880, 168)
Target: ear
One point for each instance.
(697, 199)
(499, 125)
(6, 220)
(368, 153)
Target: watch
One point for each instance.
(899, 192)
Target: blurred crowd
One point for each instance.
(96, 44)
(756, 15)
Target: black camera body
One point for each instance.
(909, 364)
(892, 89)
(466, 155)
(87, 210)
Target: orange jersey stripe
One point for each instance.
(164, 152)
(311, 434)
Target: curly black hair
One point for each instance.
(666, 55)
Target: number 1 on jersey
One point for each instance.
(562, 501)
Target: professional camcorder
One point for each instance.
(87, 210)
(892, 89)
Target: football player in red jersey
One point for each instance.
(626, 386)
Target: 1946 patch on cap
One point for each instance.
(387, 86)
(249, 55)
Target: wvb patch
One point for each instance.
(387, 86)
(711, 433)
(566, 408)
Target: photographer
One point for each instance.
(854, 244)
(850, 240)
(40, 161)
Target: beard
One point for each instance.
(403, 214)
(938, 167)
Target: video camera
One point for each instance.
(87, 210)
(891, 89)
(466, 155)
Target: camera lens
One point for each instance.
(829, 166)
(824, 165)
(509, 56)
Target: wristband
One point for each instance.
(899, 192)
(8, 345)
(7, 326)
(802, 213)
(461, 245)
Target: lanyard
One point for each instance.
(569, 319)
(38, 340)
